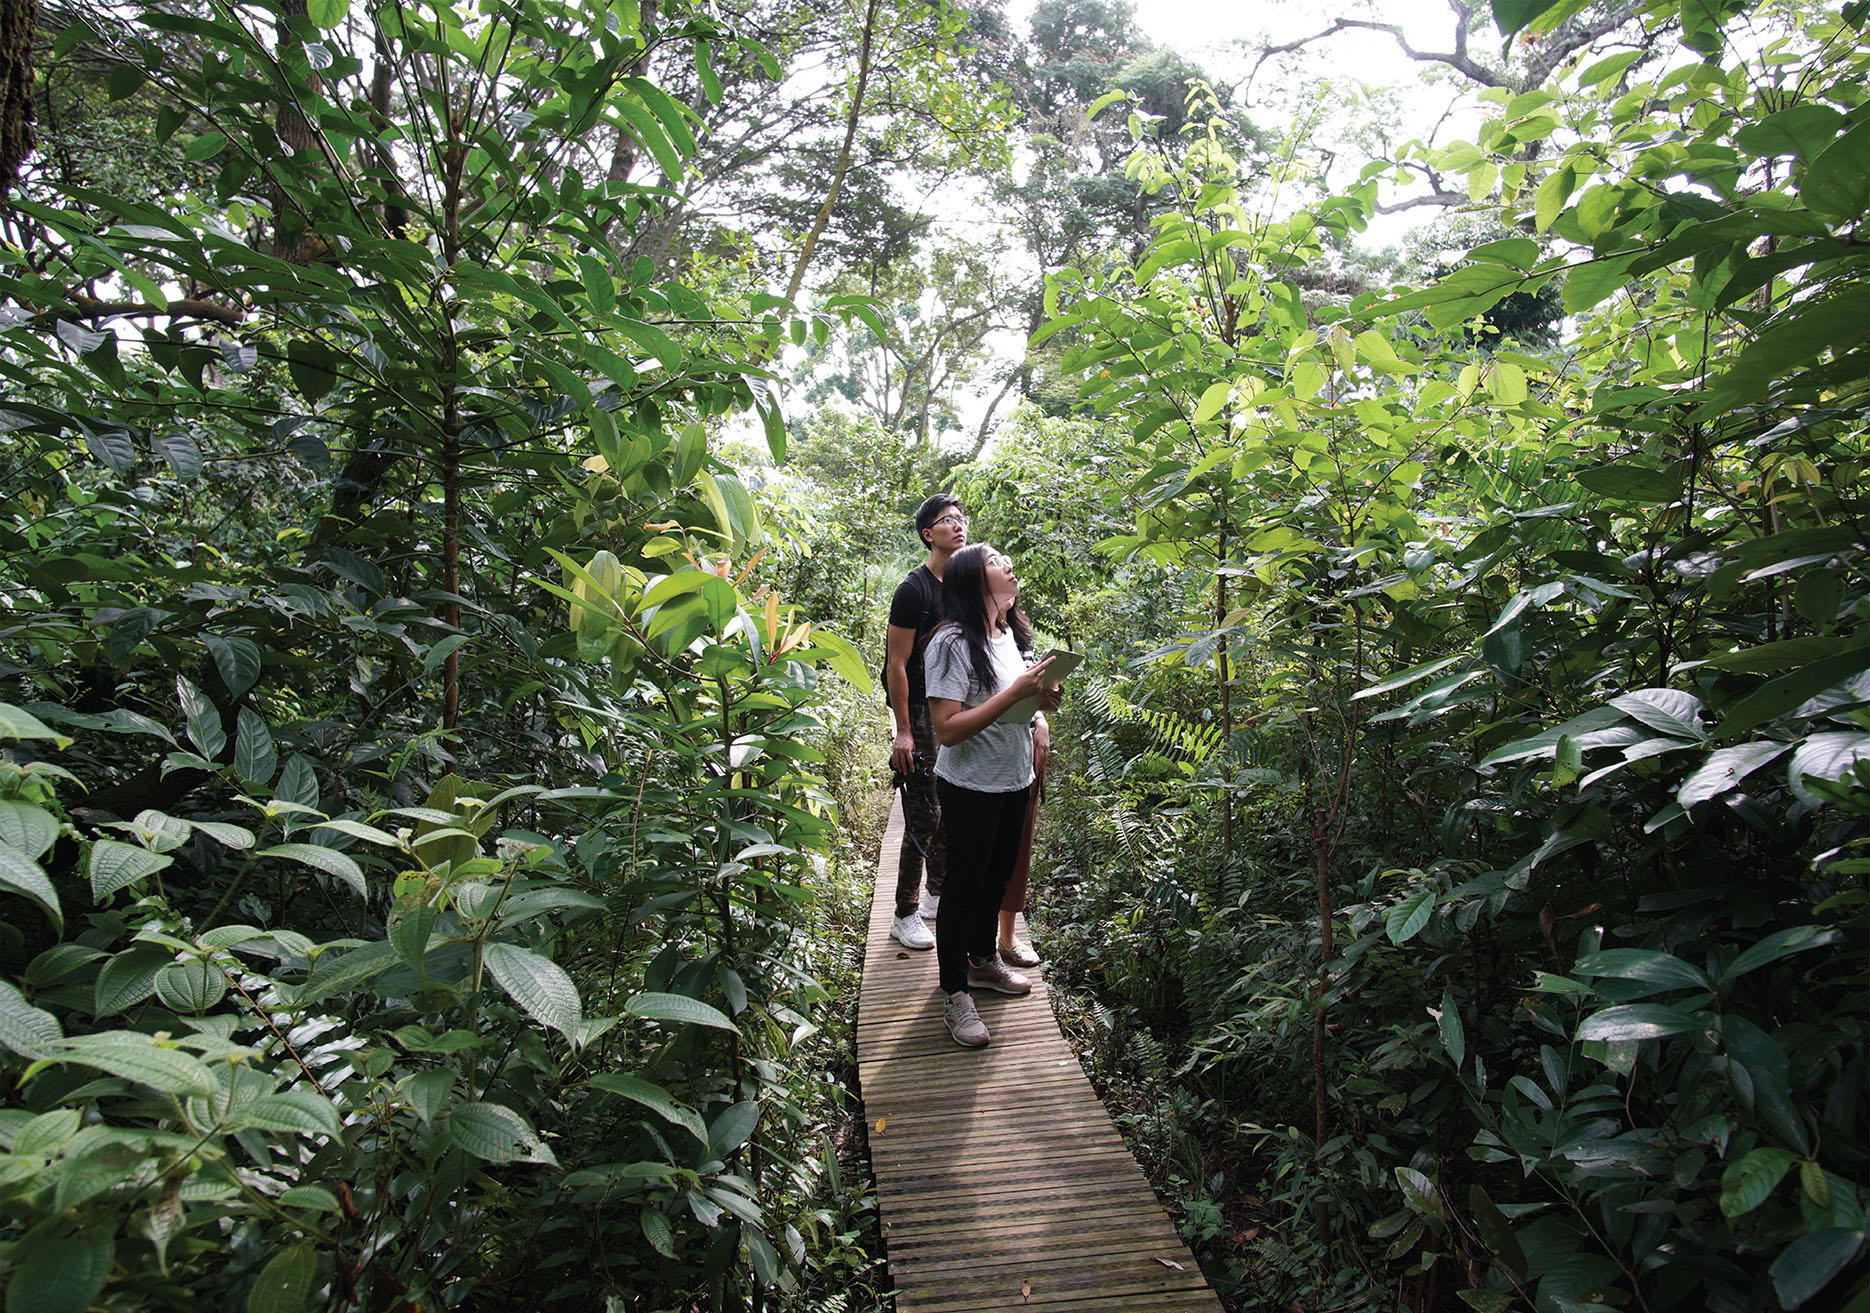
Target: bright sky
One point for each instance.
(1226, 38)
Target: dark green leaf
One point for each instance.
(285, 1283)
(1809, 1263)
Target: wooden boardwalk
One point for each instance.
(1002, 1183)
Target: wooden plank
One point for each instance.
(998, 1168)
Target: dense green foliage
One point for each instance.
(1526, 956)
(414, 830)
(429, 819)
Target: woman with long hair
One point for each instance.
(975, 670)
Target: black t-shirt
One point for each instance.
(917, 606)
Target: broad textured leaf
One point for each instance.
(137, 1057)
(113, 865)
(678, 1008)
(182, 454)
(1421, 1192)
(17, 724)
(328, 860)
(537, 984)
(24, 1029)
(655, 1098)
(27, 828)
(128, 978)
(285, 1283)
(1793, 689)
(1635, 483)
(300, 1112)
(19, 874)
(496, 1133)
(194, 985)
(1826, 757)
(60, 1273)
(1780, 943)
(255, 759)
(1837, 181)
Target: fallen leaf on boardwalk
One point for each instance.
(1246, 1235)
(902, 955)
(880, 1122)
(1170, 1262)
(1025, 1292)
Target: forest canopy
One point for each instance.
(454, 460)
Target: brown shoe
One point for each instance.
(1017, 954)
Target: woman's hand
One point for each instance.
(1030, 682)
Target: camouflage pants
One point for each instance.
(923, 853)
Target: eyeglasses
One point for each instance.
(954, 518)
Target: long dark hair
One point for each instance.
(964, 606)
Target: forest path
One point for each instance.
(1002, 1183)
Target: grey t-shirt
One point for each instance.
(999, 758)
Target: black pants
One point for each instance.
(982, 833)
(921, 857)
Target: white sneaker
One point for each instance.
(964, 1021)
(931, 904)
(910, 932)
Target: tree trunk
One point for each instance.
(17, 20)
(295, 244)
(865, 52)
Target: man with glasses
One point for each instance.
(914, 613)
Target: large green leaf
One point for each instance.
(298, 1112)
(137, 1057)
(1830, 756)
(1405, 920)
(1724, 769)
(236, 660)
(24, 1029)
(60, 1273)
(1793, 689)
(128, 978)
(17, 724)
(19, 874)
(733, 1127)
(1643, 964)
(192, 985)
(285, 1283)
(678, 1008)
(1667, 710)
(1811, 1262)
(29, 829)
(1748, 1180)
(537, 984)
(496, 1133)
(655, 1098)
(113, 865)
(328, 860)
(1778, 944)
(1837, 181)
(1633, 1021)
